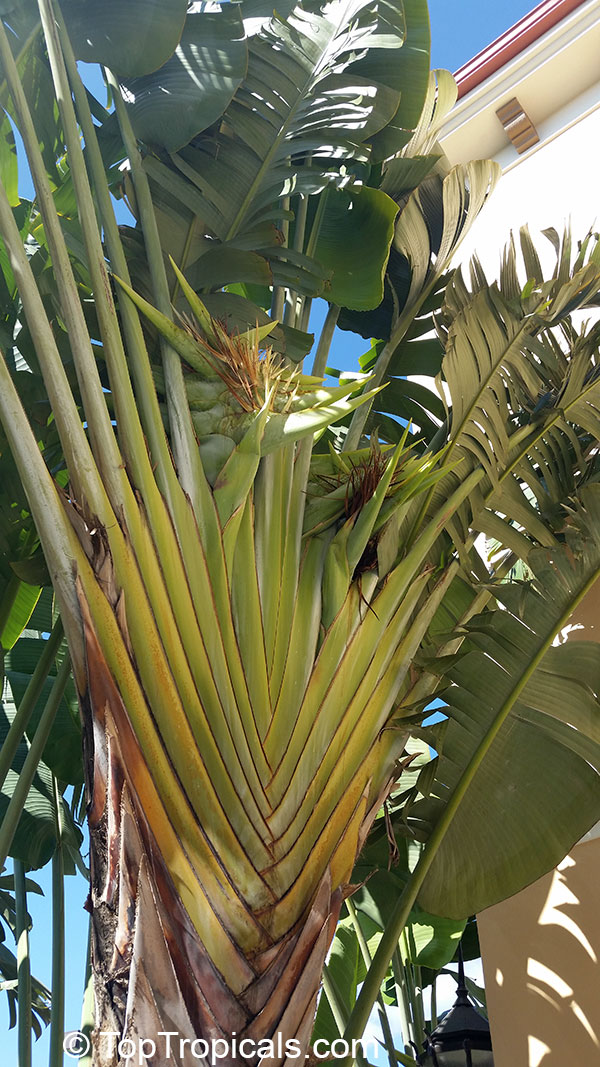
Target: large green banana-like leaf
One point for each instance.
(35, 838)
(401, 177)
(62, 752)
(438, 204)
(411, 74)
(133, 38)
(436, 217)
(431, 940)
(191, 91)
(319, 85)
(358, 225)
(535, 708)
(17, 601)
(423, 147)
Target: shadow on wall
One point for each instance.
(541, 957)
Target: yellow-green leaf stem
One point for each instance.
(128, 423)
(207, 893)
(284, 429)
(57, 1021)
(199, 309)
(245, 598)
(168, 777)
(298, 664)
(128, 419)
(271, 500)
(105, 448)
(23, 965)
(179, 506)
(214, 715)
(76, 448)
(184, 445)
(137, 355)
(365, 521)
(61, 546)
(29, 699)
(28, 771)
(332, 848)
(127, 416)
(336, 574)
(236, 479)
(178, 711)
(371, 629)
(358, 730)
(330, 718)
(179, 339)
(291, 565)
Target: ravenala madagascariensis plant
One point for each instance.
(258, 608)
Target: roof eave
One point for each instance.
(510, 44)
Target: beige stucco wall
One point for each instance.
(556, 183)
(541, 952)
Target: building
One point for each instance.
(531, 100)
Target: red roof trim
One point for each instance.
(510, 44)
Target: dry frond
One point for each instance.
(247, 367)
(364, 479)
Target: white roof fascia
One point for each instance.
(507, 78)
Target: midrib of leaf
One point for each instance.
(487, 380)
(235, 225)
(561, 416)
(468, 415)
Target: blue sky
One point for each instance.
(460, 29)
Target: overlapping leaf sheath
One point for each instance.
(238, 677)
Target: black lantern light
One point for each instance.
(463, 1037)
